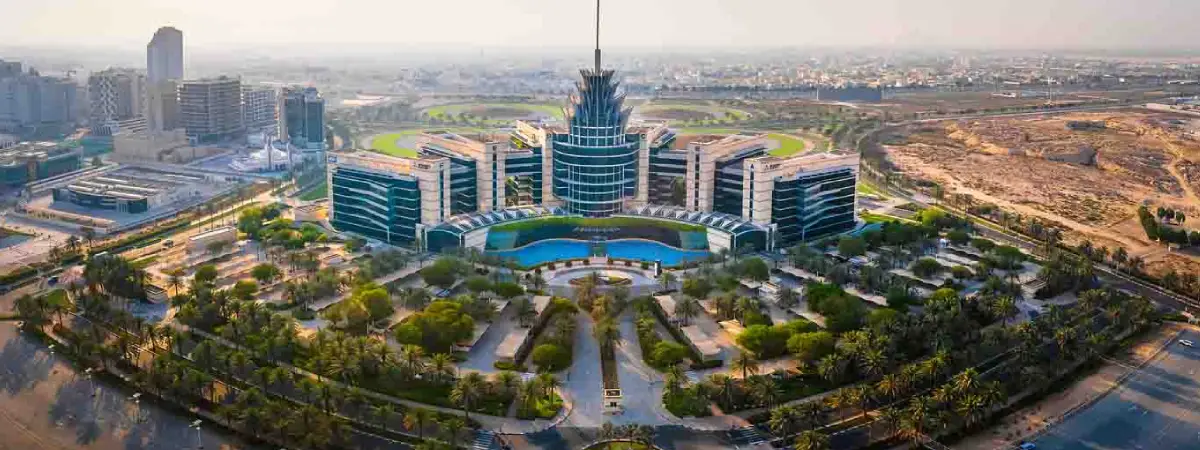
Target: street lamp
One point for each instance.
(196, 425)
(137, 407)
(87, 373)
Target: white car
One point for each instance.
(1186, 343)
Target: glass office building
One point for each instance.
(595, 160)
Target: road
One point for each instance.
(1154, 409)
(45, 404)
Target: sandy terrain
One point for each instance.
(1090, 181)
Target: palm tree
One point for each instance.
(687, 309)
(467, 391)
(972, 408)
(440, 365)
(892, 386)
(415, 419)
(453, 427)
(764, 390)
(384, 413)
(606, 333)
(666, 280)
(547, 383)
(608, 431)
(745, 363)
(812, 440)
(525, 312)
(832, 368)
(507, 382)
(745, 306)
(783, 420)
(787, 298)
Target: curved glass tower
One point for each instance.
(595, 161)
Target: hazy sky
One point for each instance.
(652, 24)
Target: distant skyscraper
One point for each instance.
(164, 69)
(211, 109)
(115, 95)
(162, 105)
(29, 101)
(260, 108)
(303, 115)
(164, 55)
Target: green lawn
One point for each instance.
(864, 188)
(386, 144)
(788, 145)
(705, 130)
(316, 193)
(549, 110)
(715, 110)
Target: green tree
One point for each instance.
(812, 346)
(265, 273)
(852, 246)
(551, 357)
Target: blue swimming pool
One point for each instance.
(559, 249)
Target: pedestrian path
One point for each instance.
(484, 440)
(748, 436)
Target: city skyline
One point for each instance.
(544, 24)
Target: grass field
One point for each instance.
(386, 144)
(319, 192)
(864, 188)
(714, 110)
(442, 110)
(788, 145)
(703, 130)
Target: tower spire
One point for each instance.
(597, 36)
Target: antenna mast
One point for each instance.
(597, 36)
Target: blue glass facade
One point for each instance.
(384, 207)
(595, 162)
(813, 206)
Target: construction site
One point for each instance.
(1088, 172)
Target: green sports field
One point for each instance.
(788, 145)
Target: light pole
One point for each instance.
(199, 442)
(137, 407)
(87, 373)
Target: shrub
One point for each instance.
(568, 264)
(812, 346)
(645, 265)
(304, 314)
(551, 357)
(926, 267)
(667, 353)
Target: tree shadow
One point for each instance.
(23, 362)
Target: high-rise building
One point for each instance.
(114, 96)
(162, 106)
(31, 102)
(303, 118)
(164, 55)
(740, 189)
(260, 108)
(211, 109)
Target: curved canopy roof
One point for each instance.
(734, 225)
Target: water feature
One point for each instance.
(551, 250)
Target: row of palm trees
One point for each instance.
(919, 400)
(195, 376)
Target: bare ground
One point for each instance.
(1038, 167)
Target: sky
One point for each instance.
(631, 24)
